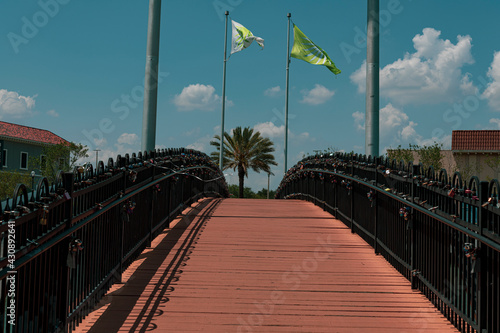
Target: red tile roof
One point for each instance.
(29, 133)
(475, 140)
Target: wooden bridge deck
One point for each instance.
(239, 265)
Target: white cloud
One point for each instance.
(192, 132)
(198, 97)
(14, 105)
(409, 132)
(274, 91)
(359, 120)
(495, 122)
(391, 118)
(492, 91)
(396, 128)
(270, 130)
(53, 113)
(128, 139)
(432, 74)
(317, 95)
(202, 144)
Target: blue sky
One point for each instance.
(77, 68)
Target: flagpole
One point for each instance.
(221, 153)
(372, 80)
(151, 77)
(286, 95)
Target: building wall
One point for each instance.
(470, 164)
(14, 149)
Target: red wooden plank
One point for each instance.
(264, 266)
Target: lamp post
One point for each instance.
(32, 174)
(268, 177)
(97, 150)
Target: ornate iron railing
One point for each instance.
(63, 246)
(438, 231)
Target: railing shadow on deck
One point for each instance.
(440, 233)
(62, 248)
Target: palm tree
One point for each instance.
(245, 150)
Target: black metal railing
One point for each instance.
(63, 246)
(441, 233)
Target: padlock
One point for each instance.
(470, 251)
(43, 219)
(489, 202)
(132, 176)
(451, 193)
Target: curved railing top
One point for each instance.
(345, 161)
(86, 175)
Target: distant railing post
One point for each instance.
(351, 194)
(122, 230)
(151, 210)
(169, 206)
(68, 183)
(375, 203)
(481, 264)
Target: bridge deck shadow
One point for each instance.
(238, 265)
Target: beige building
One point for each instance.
(473, 153)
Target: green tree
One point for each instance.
(400, 154)
(62, 156)
(493, 161)
(430, 155)
(56, 157)
(9, 181)
(245, 150)
(262, 194)
(247, 192)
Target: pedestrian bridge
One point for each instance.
(150, 242)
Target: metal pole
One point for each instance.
(151, 77)
(286, 95)
(268, 176)
(96, 157)
(221, 153)
(372, 80)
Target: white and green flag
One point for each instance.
(242, 38)
(304, 49)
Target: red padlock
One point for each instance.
(451, 193)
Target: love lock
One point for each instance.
(404, 212)
(74, 247)
(132, 176)
(489, 202)
(451, 193)
(43, 219)
(371, 197)
(470, 251)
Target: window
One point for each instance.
(24, 161)
(4, 158)
(43, 162)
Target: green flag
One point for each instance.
(242, 38)
(304, 49)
